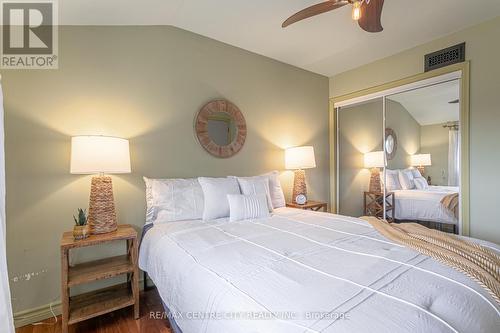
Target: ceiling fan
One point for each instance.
(367, 12)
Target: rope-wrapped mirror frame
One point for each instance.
(201, 128)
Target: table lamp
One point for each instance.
(100, 155)
(374, 161)
(298, 159)
(420, 161)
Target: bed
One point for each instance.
(301, 271)
(424, 205)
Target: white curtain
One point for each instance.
(453, 158)
(6, 321)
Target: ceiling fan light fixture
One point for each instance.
(356, 10)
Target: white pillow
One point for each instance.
(392, 180)
(256, 185)
(416, 173)
(150, 209)
(277, 196)
(406, 179)
(173, 199)
(178, 199)
(421, 183)
(242, 207)
(215, 191)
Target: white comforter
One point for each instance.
(301, 271)
(424, 205)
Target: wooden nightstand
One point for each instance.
(374, 205)
(85, 306)
(310, 205)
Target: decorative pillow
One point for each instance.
(421, 183)
(256, 185)
(406, 179)
(242, 207)
(215, 191)
(392, 180)
(277, 196)
(173, 199)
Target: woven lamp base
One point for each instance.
(375, 186)
(102, 215)
(299, 184)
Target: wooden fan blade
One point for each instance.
(371, 16)
(314, 10)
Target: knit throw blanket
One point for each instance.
(450, 202)
(477, 262)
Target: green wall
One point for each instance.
(434, 140)
(407, 131)
(145, 84)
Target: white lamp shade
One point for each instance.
(421, 160)
(300, 158)
(99, 154)
(374, 159)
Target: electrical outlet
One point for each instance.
(28, 276)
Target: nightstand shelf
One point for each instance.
(99, 269)
(85, 306)
(99, 302)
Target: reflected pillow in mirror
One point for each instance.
(392, 180)
(421, 183)
(416, 173)
(406, 179)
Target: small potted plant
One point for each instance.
(80, 230)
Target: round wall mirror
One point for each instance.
(391, 143)
(221, 128)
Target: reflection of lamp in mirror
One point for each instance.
(298, 159)
(374, 161)
(100, 155)
(420, 161)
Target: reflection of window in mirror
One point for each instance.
(221, 128)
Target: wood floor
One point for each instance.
(115, 322)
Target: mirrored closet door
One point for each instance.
(424, 171)
(360, 142)
(398, 156)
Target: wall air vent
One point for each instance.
(445, 57)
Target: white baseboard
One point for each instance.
(38, 314)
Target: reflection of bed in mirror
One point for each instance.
(425, 205)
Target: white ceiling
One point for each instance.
(430, 105)
(327, 44)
